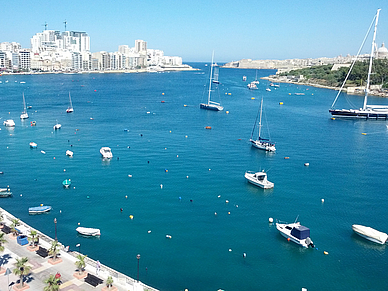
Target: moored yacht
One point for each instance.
(9, 123)
(259, 179)
(106, 153)
(296, 233)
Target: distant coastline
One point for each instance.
(142, 70)
(297, 81)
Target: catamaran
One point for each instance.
(211, 105)
(261, 143)
(24, 114)
(70, 108)
(367, 111)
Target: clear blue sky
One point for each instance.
(277, 29)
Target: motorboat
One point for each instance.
(259, 179)
(33, 145)
(9, 123)
(66, 183)
(370, 233)
(106, 152)
(39, 209)
(57, 126)
(69, 153)
(88, 231)
(5, 192)
(296, 233)
(252, 86)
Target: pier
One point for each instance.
(42, 268)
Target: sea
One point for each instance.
(174, 191)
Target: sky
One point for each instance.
(235, 30)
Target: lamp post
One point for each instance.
(79, 247)
(138, 262)
(7, 272)
(55, 222)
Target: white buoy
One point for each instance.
(149, 231)
(161, 186)
(270, 220)
(130, 176)
(226, 201)
(322, 200)
(307, 164)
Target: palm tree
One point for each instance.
(33, 238)
(80, 264)
(52, 283)
(21, 269)
(14, 224)
(2, 241)
(54, 250)
(109, 282)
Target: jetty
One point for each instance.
(42, 267)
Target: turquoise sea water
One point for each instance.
(199, 170)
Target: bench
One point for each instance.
(93, 280)
(42, 252)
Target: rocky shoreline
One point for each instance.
(277, 79)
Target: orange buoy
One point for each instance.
(208, 127)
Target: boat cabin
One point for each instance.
(300, 232)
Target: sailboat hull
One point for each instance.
(262, 145)
(211, 107)
(346, 113)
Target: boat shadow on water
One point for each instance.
(362, 242)
(96, 237)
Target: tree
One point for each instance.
(33, 238)
(21, 269)
(2, 241)
(80, 264)
(54, 250)
(52, 283)
(109, 282)
(15, 222)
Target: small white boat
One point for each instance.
(5, 192)
(39, 209)
(88, 231)
(69, 153)
(268, 89)
(33, 145)
(57, 126)
(252, 86)
(259, 179)
(9, 123)
(296, 233)
(106, 153)
(244, 78)
(370, 233)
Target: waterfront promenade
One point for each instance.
(41, 268)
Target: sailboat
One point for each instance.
(256, 81)
(367, 111)
(261, 143)
(24, 114)
(211, 105)
(70, 108)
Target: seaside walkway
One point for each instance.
(41, 268)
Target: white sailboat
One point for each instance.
(211, 105)
(256, 81)
(367, 111)
(57, 126)
(24, 114)
(261, 143)
(70, 108)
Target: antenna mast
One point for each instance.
(65, 22)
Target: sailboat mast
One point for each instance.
(261, 111)
(71, 105)
(210, 79)
(24, 104)
(371, 60)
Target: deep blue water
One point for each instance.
(167, 144)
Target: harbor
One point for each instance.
(174, 191)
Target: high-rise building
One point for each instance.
(140, 46)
